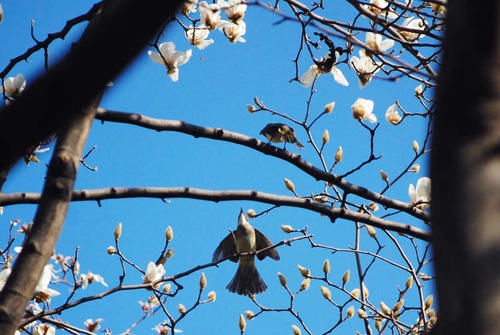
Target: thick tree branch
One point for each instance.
(229, 195)
(229, 136)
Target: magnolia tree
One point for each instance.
(343, 141)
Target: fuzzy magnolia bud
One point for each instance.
(366, 293)
(170, 253)
(418, 90)
(249, 315)
(329, 107)
(118, 231)
(289, 184)
(373, 206)
(415, 168)
(211, 296)
(304, 271)
(251, 108)
(296, 330)
(242, 324)
(111, 250)
(361, 313)
(346, 277)
(282, 279)
(251, 213)
(181, 308)
(339, 155)
(415, 146)
(371, 231)
(326, 267)
(286, 228)
(409, 283)
(305, 284)
(325, 291)
(169, 234)
(356, 293)
(326, 136)
(350, 312)
(429, 301)
(384, 176)
(398, 306)
(258, 102)
(378, 324)
(430, 312)
(203, 281)
(167, 287)
(385, 309)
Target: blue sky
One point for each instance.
(213, 90)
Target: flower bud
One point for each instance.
(325, 291)
(415, 168)
(371, 231)
(282, 279)
(320, 198)
(373, 206)
(329, 107)
(166, 288)
(430, 312)
(356, 293)
(118, 231)
(346, 277)
(249, 315)
(409, 283)
(289, 184)
(305, 284)
(203, 281)
(361, 313)
(429, 301)
(111, 250)
(326, 136)
(258, 102)
(384, 176)
(169, 234)
(415, 146)
(251, 213)
(304, 271)
(398, 306)
(385, 309)
(326, 267)
(211, 296)
(181, 308)
(418, 91)
(170, 253)
(350, 312)
(366, 293)
(378, 324)
(296, 330)
(251, 108)
(242, 324)
(287, 228)
(339, 155)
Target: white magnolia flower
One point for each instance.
(42, 287)
(163, 329)
(235, 9)
(314, 71)
(392, 115)
(422, 193)
(189, 6)
(365, 68)
(210, 15)
(375, 42)
(170, 58)
(89, 278)
(44, 329)
(381, 7)
(14, 85)
(4, 275)
(153, 273)
(363, 109)
(197, 37)
(415, 24)
(234, 31)
(91, 325)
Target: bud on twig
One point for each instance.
(305, 284)
(326, 137)
(251, 213)
(385, 309)
(356, 293)
(289, 185)
(339, 155)
(282, 279)
(296, 330)
(181, 308)
(326, 267)
(409, 283)
(398, 306)
(169, 234)
(203, 281)
(242, 324)
(211, 296)
(251, 108)
(329, 107)
(304, 271)
(384, 176)
(350, 312)
(249, 315)
(346, 277)
(429, 301)
(378, 324)
(361, 314)
(415, 146)
(325, 291)
(118, 231)
(111, 250)
(371, 231)
(287, 228)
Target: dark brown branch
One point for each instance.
(229, 195)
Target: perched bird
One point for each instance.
(280, 132)
(245, 239)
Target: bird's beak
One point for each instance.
(242, 217)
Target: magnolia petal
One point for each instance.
(155, 57)
(339, 76)
(308, 77)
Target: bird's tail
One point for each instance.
(247, 280)
(298, 144)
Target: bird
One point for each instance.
(280, 132)
(247, 280)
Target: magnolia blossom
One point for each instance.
(235, 9)
(189, 6)
(164, 330)
(363, 109)
(89, 278)
(4, 275)
(421, 195)
(415, 24)
(153, 273)
(314, 71)
(392, 115)
(14, 85)
(44, 329)
(42, 288)
(210, 15)
(92, 325)
(375, 42)
(365, 68)
(234, 31)
(170, 58)
(197, 37)
(381, 7)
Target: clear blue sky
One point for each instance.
(213, 90)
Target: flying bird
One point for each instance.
(280, 132)
(245, 238)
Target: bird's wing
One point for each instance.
(227, 247)
(263, 242)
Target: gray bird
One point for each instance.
(245, 238)
(280, 132)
